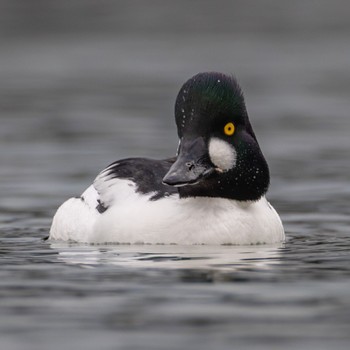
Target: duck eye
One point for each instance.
(229, 129)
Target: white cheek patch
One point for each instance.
(222, 154)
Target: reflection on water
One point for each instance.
(217, 258)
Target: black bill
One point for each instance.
(191, 165)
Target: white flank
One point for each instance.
(133, 219)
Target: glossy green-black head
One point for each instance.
(218, 154)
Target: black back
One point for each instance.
(147, 174)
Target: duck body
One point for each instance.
(212, 192)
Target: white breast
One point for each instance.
(190, 221)
(134, 219)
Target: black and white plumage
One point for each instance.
(212, 192)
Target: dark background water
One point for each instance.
(83, 83)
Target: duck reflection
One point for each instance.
(196, 257)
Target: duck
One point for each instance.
(212, 192)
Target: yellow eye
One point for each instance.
(229, 129)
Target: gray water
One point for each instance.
(84, 83)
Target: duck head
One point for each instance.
(218, 153)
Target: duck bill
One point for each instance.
(191, 165)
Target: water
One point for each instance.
(83, 85)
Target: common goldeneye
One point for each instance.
(212, 192)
